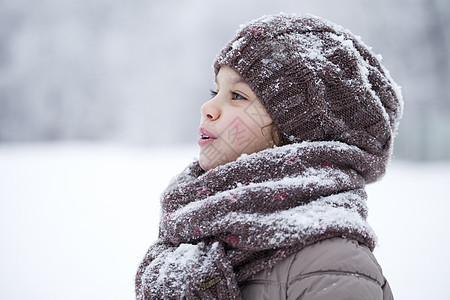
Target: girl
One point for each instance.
(302, 117)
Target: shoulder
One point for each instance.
(336, 254)
(336, 269)
(331, 269)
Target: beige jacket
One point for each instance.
(333, 269)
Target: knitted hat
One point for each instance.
(317, 81)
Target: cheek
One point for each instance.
(242, 132)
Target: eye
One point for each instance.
(237, 96)
(212, 93)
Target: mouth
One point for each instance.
(205, 137)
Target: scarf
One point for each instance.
(222, 226)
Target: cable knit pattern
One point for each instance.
(317, 81)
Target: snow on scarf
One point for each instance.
(220, 227)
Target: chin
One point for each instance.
(205, 166)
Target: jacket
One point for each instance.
(332, 269)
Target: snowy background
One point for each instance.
(115, 70)
(99, 109)
(76, 219)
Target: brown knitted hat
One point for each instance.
(317, 81)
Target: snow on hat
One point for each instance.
(317, 81)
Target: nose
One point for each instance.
(210, 110)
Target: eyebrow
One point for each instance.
(235, 81)
(240, 80)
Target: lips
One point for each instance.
(205, 137)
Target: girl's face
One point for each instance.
(233, 122)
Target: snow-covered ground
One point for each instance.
(76, 218)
